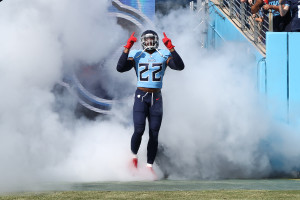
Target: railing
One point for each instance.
(253, 26)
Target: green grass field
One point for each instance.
(164, 189)
(174, 195)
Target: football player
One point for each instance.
(149, 64)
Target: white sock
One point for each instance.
(149, 165)
(134, 155)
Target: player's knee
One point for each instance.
(153, 135)
(139, 129)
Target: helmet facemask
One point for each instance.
(149, 41)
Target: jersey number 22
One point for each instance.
(154, 72)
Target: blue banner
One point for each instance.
(147, 7)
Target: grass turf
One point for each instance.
(204, 194)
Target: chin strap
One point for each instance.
(141, 53)
(159, 53)
(145, 50)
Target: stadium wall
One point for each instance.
(221, 29)
(283, 75)
(278, 72)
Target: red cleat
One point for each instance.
(135, 162)
(150, 168)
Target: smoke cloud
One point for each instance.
(215, 125)
(39, 40)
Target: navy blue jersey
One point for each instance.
(295, 9)
(279, 23)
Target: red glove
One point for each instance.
(130, 41)
(167, 42)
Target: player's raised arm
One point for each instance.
(125, 64)
(175, 61)
(130, 42)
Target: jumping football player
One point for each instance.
(150, 64)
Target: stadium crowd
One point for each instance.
(285, 16)
(256, 17)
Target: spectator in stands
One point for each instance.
(261, 18)
(255, 8)
(248, 4)
(245, 1)
(279, 23)
(294, 7)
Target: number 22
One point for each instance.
(154, 73)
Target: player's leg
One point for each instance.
(139, 119)
(140, 113)
(155, 119)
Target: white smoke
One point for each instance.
(213, 126)
(215, 123)
(39, 38)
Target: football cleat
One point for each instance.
(135, 162)
(153, 174)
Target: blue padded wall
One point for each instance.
(283, 75)
(294, 77)
(277, 73)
